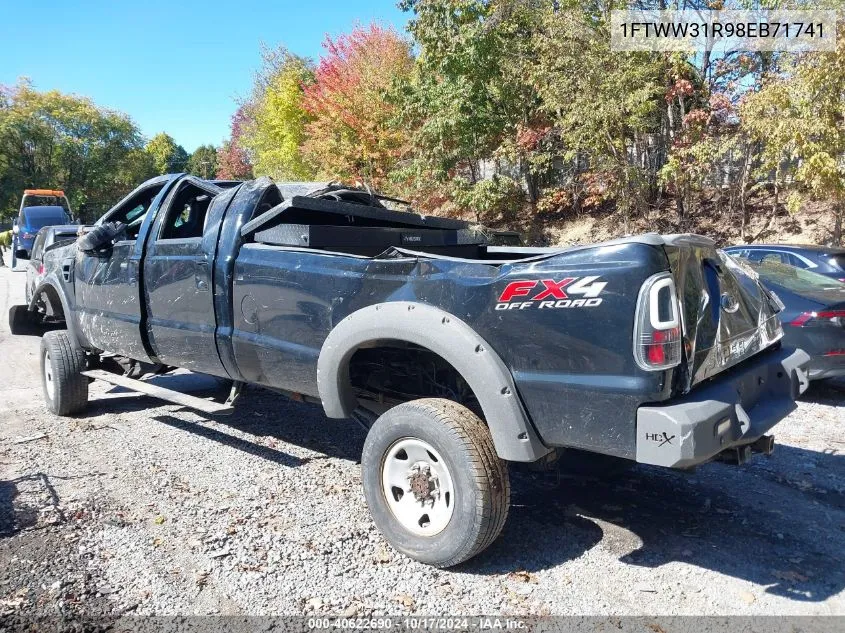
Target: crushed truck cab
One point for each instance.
(655, 349)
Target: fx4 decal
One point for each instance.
(548, 293)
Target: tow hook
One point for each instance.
(738, 455)
(764, 444)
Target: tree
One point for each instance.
(469, 93)
(203, 162)
(233, 162)
(798, 116)
(601, 103)
(353, 134)
(168, 157)
(275, 131)
(56, 140)
(821, 138)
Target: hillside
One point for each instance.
(812, 224)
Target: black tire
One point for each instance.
(479, 479)
(22, 321)
(65, 362)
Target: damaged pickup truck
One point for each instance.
(457, 356)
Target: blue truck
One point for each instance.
(39, 208)
(458, 357)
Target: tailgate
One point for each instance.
(727, 315)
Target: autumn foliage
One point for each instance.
(352, 134)
(495, 109)
(233, 162)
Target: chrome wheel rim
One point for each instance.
(48, 376)
(417, 486)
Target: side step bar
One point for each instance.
(176, 397)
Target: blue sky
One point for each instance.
(172, 66)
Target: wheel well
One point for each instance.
(49, 303)
(404, 333)
(385, 373)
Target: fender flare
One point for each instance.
(70, 321)
(456, 342)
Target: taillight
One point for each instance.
(41, 269)
(657, 326)
(818, 318)
(802, 318)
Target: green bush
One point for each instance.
(497, 198)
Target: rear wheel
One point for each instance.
(433, 482)
(62, 364)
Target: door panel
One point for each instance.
(177, 281)
(180, 322)
(107, 284)
(107, 300)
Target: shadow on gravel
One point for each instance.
(264, 414)
(258, 412)
(9, 524)
(830, 392)
(778, 523)
(16, 517)
(247, 446)
(302, 424)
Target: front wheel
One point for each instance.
(433, 482)
(62, 364)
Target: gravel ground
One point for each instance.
(148, 508)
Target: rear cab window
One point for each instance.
(186, 215)
(39, 217)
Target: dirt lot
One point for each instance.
(149, 508)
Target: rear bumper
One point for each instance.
(734, 409)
